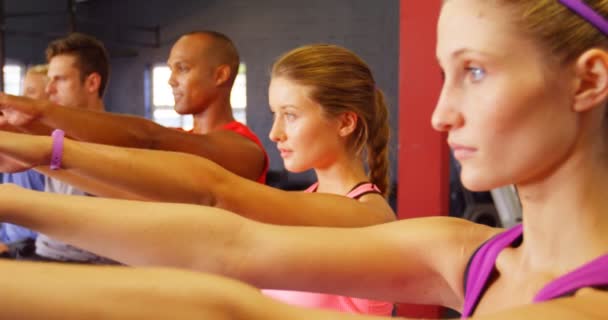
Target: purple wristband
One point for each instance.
(57, 152)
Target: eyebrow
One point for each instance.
(283, 107)
(454, 54)
(462, 51)
(179, 60)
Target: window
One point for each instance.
(12, 78)
(238, 96)
(162, 110)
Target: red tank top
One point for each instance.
(244, 131)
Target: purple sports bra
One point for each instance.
(592, 274)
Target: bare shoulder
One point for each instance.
(450, 229)
(587, 304)
(590, 301)
(176, 139)
(378, 203)
(444, 245)
(229, 149)
(222, 136)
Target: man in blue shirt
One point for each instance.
(34, 86)
(31, 180)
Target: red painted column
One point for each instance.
(423, 170)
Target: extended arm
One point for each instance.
(136, 132)
(53, 291)
(180, 177)
(390, 262)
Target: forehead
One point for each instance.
(189, 49)
(62, 63)
(477, 26)
(282, 92)
(34, 77)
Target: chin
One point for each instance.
(477, 183)
(181, 110)
(294, 168)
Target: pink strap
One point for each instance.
(353, 194)
(313, 187)
(363, 189)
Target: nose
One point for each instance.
(277, 133)
(446, 116)
(172, 81)
(50, 88)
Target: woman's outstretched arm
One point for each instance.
(60, 291)
(36, 291)
(391, 262)
(178, 177)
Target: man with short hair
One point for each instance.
(78, 70)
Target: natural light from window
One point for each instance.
(12, 79)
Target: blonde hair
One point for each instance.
(555, 27)
(342, 82)
(38, 69)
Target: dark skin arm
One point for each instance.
(136, 132)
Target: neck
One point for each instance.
(341, 176)
(566, 214)
(95, 103)
(215, 115)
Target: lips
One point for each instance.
(285, 152)
(462, 152)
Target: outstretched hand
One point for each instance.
(20, 111)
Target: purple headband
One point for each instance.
(587, 13)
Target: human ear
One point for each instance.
(222, 74)
(348, 123)
(93, 82)
(591, 70)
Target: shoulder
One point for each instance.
(457, 230)
(587, 304)
(242, 130)
(448, 244)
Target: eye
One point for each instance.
(289, 116)
(179, 68)
(476, 73)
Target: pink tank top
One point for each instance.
(335, 302)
